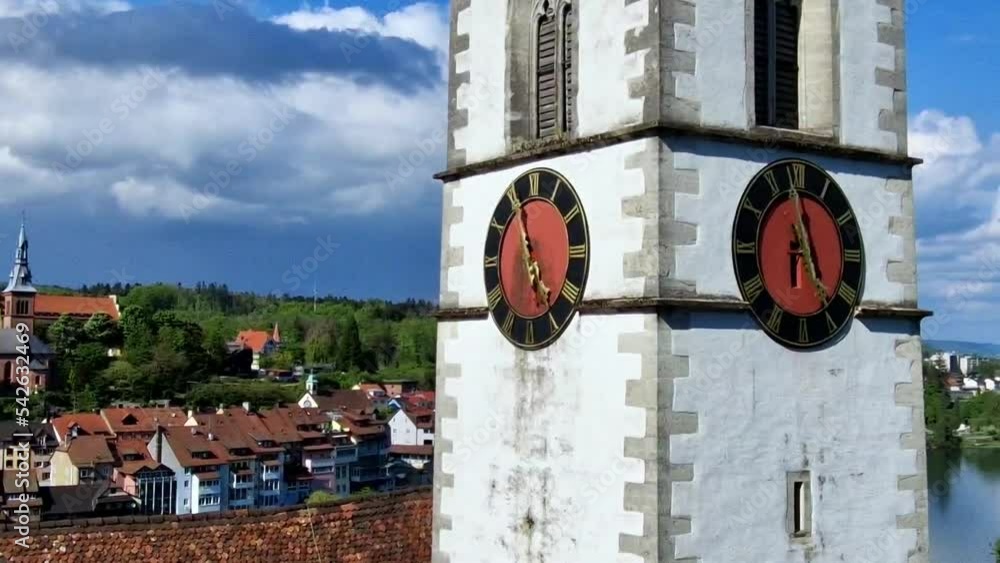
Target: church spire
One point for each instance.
(20, 276)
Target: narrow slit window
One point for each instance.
(799, 505)
(776, 62)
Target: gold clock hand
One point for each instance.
(802, 234)
(531, 266)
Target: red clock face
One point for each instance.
(536, 258)
(798, 253)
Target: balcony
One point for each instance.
(367, 474)
(347, 455)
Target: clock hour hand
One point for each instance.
(802, 235)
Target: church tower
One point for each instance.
(679, 316)
(19, 295)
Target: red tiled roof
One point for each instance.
(412, 450)
(87, 451)
(144, 418)
(256, 340)
(394, 528)
(75, 305)
(89, 424)
(185, 442)
(343, 399)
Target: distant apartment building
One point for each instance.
(42, 442)
(82, 459)
(152, 484)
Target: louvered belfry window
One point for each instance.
(776, 63)
(568, 70)
(546, 77)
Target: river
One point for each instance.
(964, 505)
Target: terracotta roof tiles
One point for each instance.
(393, 528)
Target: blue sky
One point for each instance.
(238, 141)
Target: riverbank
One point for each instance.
(979, 440)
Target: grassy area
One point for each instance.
(980, 440)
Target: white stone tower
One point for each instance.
(665, 424)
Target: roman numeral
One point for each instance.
(578, 251)
(832, 326)
(803, 331)
(746, 247)
(553, 325)
(508, 323)
(494, 296)
(491, 262)
(843, 219)
(847, 293)
(749, 207)
(497, 226)
(555, 189)
(535, 180)
(822, 194)
(529, 338)
(774, 320)
(572, 214)
(570, 291)
(797, 176)
(772, 181)
(753, 288)
(852, 255)
(512, 196)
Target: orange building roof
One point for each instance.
(256, 340)
(90, 424)
(75, 305)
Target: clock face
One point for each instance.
(798, 254)
(537, 258)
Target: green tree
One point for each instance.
(65, 334)
(349, 352)
(941, 416)
(153, 298)
(103, 330)
(320, 343)
(139, 333)
(320, 497)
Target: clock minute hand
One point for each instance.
(531, 266)
(803, 236)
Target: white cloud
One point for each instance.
(423, 23)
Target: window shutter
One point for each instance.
(786, 64)
(776, 63)
(569, 70)
(546, 88)
(762, 61)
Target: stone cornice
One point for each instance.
(759, 137)
(610, 306)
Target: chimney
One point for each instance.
(157, 441)
(221, 410)
(246, 406)
(211, 437)
(190, 413)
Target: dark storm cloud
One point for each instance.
(213, 40)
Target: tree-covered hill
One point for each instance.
(173, 341)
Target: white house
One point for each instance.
(412, 427)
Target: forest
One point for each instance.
(173, 345)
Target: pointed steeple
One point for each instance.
(276, 336)
(20, 276)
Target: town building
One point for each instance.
(671, 409)
(86, 500)
(82, 459)
(20, 490)
(412, 426)
(42, 443)
(151, 484)
(262, 343)
(24, 306)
